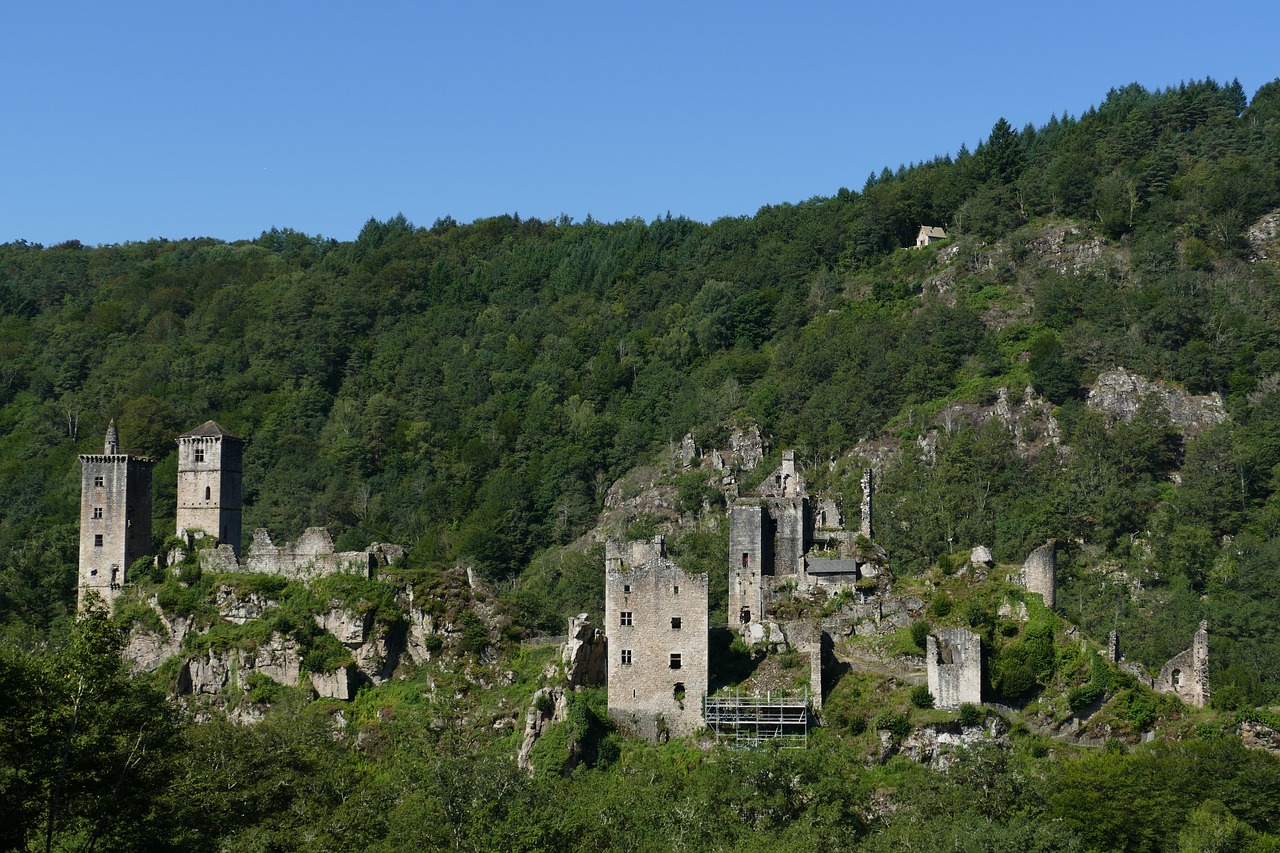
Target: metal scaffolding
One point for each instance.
(747, 721)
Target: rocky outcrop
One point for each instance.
(339, 684)
(208, 674)
(1065, 249)
(279, 659)
(1262, 236)
(549, 706)
(585, 654)
(146, 649)
(348, 626)
(936, 744)
(240, 606)
(1118, 393)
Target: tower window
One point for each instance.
(97, 512)
(675, 660)
(207, 493)
(624, 618)
(626, 657)
(97, 540)
(199, 454)
(675, 623)
(675, 590)
(626, 589)
(97, 482)
(746, 558)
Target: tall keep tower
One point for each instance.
(210, 470)
(115, 517)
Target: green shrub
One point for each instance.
(898, 725)
(921, 697)
(261, 689)
(920, 634)
(325, 653)
(940, 606)
(970, 714)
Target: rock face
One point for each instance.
(585, 654)
(280, 660)
(1118, 393)
(238, 606)
(339, 684)
(1063, 248)
(146, 650)
(549, 706)
(937, 743)
(349, 627)
(1262, 236)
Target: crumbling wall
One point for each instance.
(1039, 572)
(312, 555)
(954, 658)
(1187, 674)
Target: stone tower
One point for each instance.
(210, 470)
(656, 627)
(115, 517)
(1039, 572)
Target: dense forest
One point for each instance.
(473, 390)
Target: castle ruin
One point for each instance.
(656, 627)
(954, 660)
(1187, 674)
(1039, 572)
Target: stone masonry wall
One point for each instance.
(954, 658)
(1039, 572)
(656, 627)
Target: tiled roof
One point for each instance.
(209, 429)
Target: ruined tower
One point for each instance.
(656, 625)
(954, 659)
(210, 470)
(1187, 674)
(115, 517)
(768, 538)
(867, 486)
(1040, 570)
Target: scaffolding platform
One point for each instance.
(748, 721)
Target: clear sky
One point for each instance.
(128, 120)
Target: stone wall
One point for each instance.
(656, 627)
(310, 556)
(954, 659)
(1187, 674)
(1039, 572)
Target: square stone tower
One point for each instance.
(115, 517)
(210, 472)
(656, 626)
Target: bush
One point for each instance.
(921, 697)
(940, 606)
(898, 725)
(970, 714)
(920, 634)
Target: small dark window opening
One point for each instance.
(1177, 677)
(97, 540)
(97, 482)
(207, 493)
(677, 691)
(97, 512)
(675, 660)
(745, 616)
(624, 618)
(626, 657)
(675, 590)
(199, 454)
(93, 573)
(626, 589)
(746, 558)
(675, 623)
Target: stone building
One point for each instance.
(929, 234)
(1187, 674)
(1039, 572)
(210, 471)
(954, 659)
(115, 517)
(656, 628)
(777, 537)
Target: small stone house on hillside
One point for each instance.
(930, 234)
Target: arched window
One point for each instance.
(207, 493)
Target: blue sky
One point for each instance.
(127, 121)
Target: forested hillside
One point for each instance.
(472, 391)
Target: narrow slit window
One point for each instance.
(746, 558)
(207, 493)
(675, 590)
